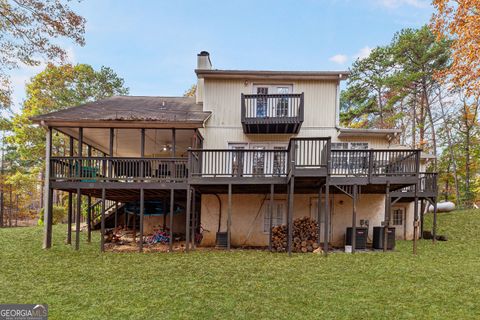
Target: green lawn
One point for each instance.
(441, 282)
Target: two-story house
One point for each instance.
(252, 150)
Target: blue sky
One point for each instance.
(153, 44)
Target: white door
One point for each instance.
(397, 219)
(282, 106)
(238, 159)
(257, 162)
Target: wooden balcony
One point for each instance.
(272, 113)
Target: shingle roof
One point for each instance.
(132, 108)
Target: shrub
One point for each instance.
(59, 214)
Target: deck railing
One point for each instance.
(427, 182)
(374, 162)
(309, 152)
(118, 169)
(239, 163)
(301, 154)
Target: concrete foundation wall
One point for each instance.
(154, 222)
(248, 216)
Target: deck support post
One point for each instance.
(354, 217)
(386, 222)
(79, 193)
(70, 199)
(142, 209)
(291, 192)
(434, 227)
(89, 203)
(69, 217)
(102, 223)
(164, 213)
(422, 217)
(415, 219)
(319, 215)
(188, 218)
(48, 194)
(135, 225)
(116, 214)
(170, 222)
(194, 218)
(229, 217)
(270, 226)
(89, 219)
(326, 221)
(77, 219)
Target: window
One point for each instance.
(351, 162)
(359, 145)
(339, 145)
(278, 216)
(397, 217)
(279, 161)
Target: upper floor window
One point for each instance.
(349, 145)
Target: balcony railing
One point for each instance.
(116, 169)
(272, 113)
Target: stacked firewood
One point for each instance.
(305, 235)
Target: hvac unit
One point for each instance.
(378, 238)
(360, 239)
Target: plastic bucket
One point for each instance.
(348, 249)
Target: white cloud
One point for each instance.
(392, 4)
(339, 58)
(363, 53)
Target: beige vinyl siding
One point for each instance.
(223, 98)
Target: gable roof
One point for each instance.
(160, 110)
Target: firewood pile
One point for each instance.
(305, 235)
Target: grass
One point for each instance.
(441, 282)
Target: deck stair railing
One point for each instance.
(96, 209)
